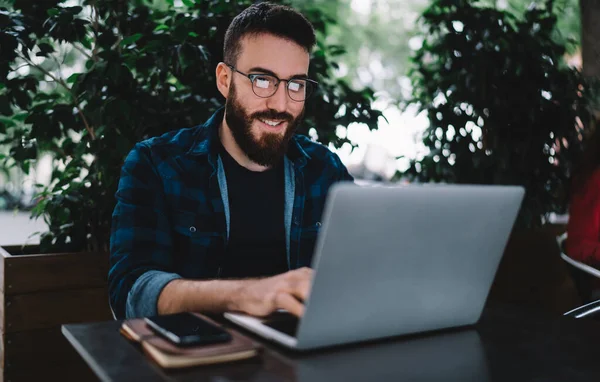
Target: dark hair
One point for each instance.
(278, 20)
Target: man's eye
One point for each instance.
(263, 82)
(296, 86)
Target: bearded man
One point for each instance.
(224, 216)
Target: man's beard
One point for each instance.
(269, 148)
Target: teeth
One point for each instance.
(270, 123)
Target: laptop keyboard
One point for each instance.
(283, 322)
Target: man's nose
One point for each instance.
(278, 101)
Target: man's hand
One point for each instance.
(285, 291)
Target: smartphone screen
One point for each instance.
(187, 329)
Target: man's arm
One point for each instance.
(141, 278)
(257, 297)
(342, 174)
(141, 262)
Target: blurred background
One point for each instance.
(488, 92)
(500, 92)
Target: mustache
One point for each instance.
(272, 114)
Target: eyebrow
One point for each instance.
(267, 71)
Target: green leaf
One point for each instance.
(25, 166)
(193, 34)
(131, 39)
(21, 116)
(63, 214)
(8, 122)
(189, 3)
(5, 105)
(40, 207)
(161, 27)
(87, 42)
(73, 78)
(73, 10)
(45, 49)
(52, 12)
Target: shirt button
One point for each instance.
(192, 229)
(318, 224)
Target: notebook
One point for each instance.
(171, 356)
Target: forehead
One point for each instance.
(283, 57)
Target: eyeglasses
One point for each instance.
(265, 85)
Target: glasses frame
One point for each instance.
(252, 77)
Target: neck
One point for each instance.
(229, 143)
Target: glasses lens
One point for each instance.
(299, 90)
(264, 85)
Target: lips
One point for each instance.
(272, 124)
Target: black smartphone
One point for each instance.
(185, 329)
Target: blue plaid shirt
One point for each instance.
(171, 219)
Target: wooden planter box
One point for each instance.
(39, 293)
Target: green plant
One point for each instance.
(502, 106)
(87, 82)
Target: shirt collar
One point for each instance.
(207, 138)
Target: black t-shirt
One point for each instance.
(256, 245)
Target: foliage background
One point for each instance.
(87, 82)
(380, 36)
(131, 70)
(502, 105)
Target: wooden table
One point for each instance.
(508, 344)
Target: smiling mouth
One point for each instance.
(272, 123)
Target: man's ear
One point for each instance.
(223, 79)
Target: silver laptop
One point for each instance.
(399, 260)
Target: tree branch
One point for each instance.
(82, 51)
(95, 25)
(60, 81)
(16, 69)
